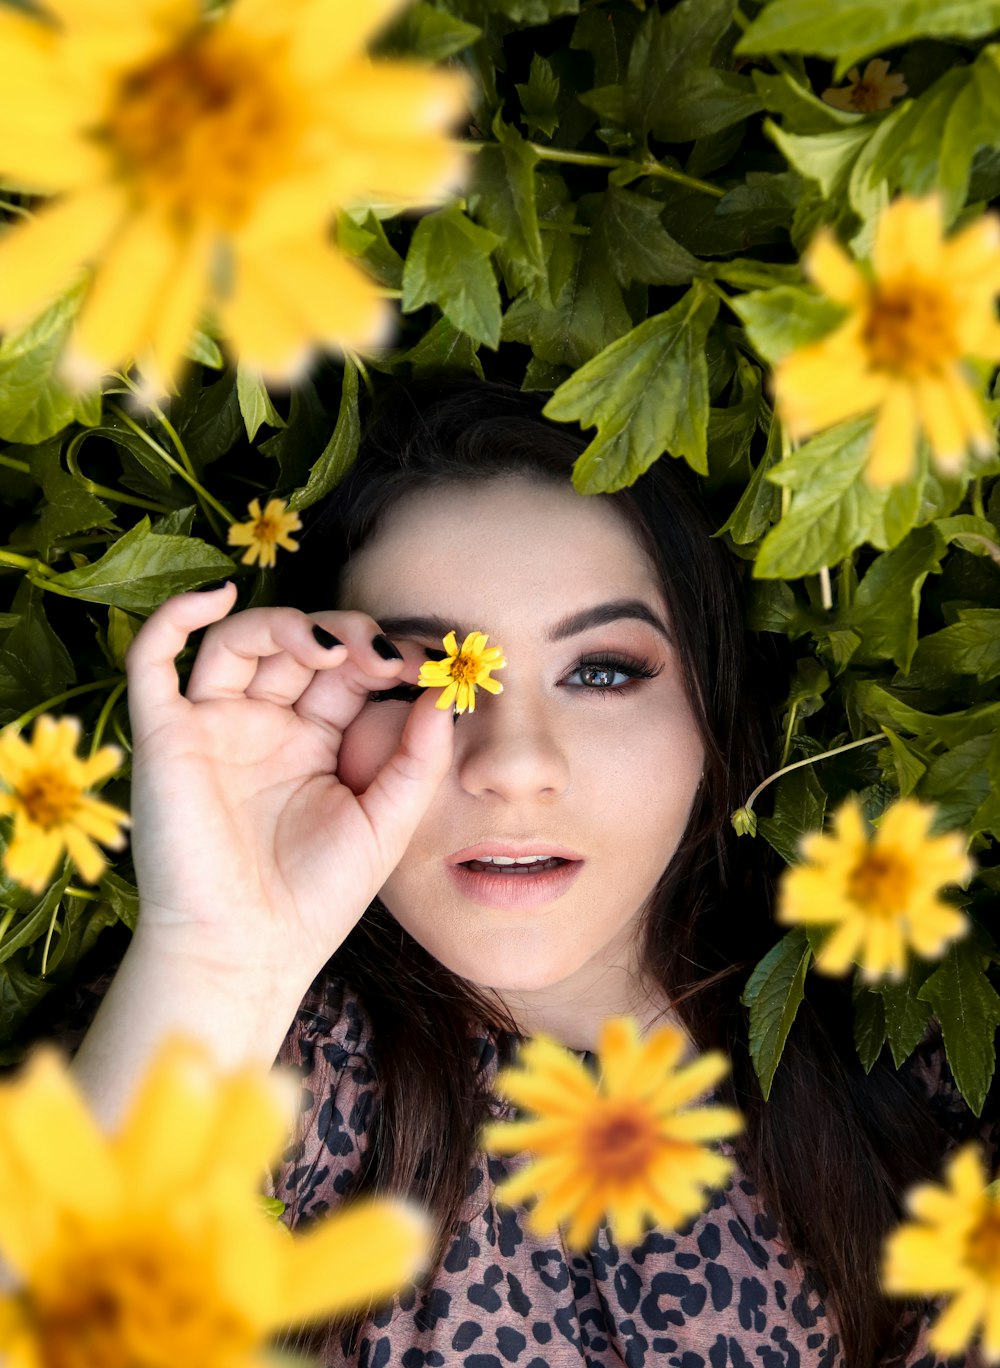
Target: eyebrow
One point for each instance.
(572, 625)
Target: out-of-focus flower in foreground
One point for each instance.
(879, 894)
(265, 532)
(461, 672)
(952, 1249)
(876, 89)
(197, 160)
(924, 309)
(46, 784)
(150, 1247)
(626, 1144)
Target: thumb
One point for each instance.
(401, 792)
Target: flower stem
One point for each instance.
(48, 939)
(793, 713)
(26, 563)
(809, 760)
(8, 917)
(104, 491)
(978, 507)
(649, 167)
(165, 455)
(39, 708)
(105, 713)
(826, 592)
(15, 464)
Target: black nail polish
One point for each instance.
(385, 647)
(326, 638)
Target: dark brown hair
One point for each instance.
(833, 1148)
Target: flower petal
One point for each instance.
(893, 450)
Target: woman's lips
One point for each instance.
(514, 890)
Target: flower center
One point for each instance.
(464, 669)
(620, 1144)
(909, 328)
(266, 529)
(881, 882)
(866, 96)
(49, 798)
(203, 128)
(983, 1249)
(131, 1303)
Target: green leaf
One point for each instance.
(760, 502)
(969, 646)
(532, 11)
(338, 455)
(909, 767)
(143, 569)
(802, 111)
(539, 97)
(977, 535)
(851, 29)
(647, 393)
(255, 402)
(833, 509)
(295, 446)
(906, 1013)
(671, 89)
(959, 781)
(34, 403)
(887, 601)
(34, 662)
(448, 264)
(637, 245)
(783, 319)
(201, 347)
(608, 35)
(967, 1006)
(773, 995)
(442, 348)
(365, 238)
(35, 922)
(503, 197)
(869, 1026)
(826, 158)
(122, 896)
(69, 506)
(799, 808)
(424, 31)
(881, 706)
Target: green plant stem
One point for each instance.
(793, 713)
(362, 369)
(28, 563)
(32, 713)
(809, 760)
(165, 455)
(105, 491)
(14, 464)
(48, 938)
(978, 507)
(87, 893)
(105, 713)
(19, 209)
(649, 167)
(825, 589)
(5, 922)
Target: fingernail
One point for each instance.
(385, 647)
(326, 638)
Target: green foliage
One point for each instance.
(645, 181)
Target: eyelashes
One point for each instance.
(635, 669)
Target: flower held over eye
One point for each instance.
(51, 810)
(627, 1145)
(879, 894)
(151, 1246)
(925, 307)
(461, 672)
(265, 531)
(952, 1249)
(197, 155)
(876, 89)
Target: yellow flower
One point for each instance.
(265, 531)
(197, 159)
(926, 307)
(150, 1247)
(952, 1249)
(51, 811)
(626, 1145)
(876, 89)
(462, 671)
(880, 894)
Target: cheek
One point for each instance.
(370, 740)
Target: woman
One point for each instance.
(309, 837)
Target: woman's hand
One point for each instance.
(249, 852)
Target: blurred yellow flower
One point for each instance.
(952, 1249)
(626, 1145)
(51, 810)
(876, 89)
(197, 159)
(461, 672)
(264, 532)
(880, 893)
(150, 1247)
(924, 309)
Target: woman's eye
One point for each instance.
(602, 676)
(402, 693)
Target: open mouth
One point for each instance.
(514, 869)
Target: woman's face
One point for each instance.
(580, 755)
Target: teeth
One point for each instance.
(509, 860)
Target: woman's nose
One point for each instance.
(508, 748)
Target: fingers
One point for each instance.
(399, 795)
(153, 686)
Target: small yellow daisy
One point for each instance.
(863, 94)
(151, 1246)
(51, 810)
(952, 1249)
(627, 1145)
(462, 671)
(265, 531)
(880, 893)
